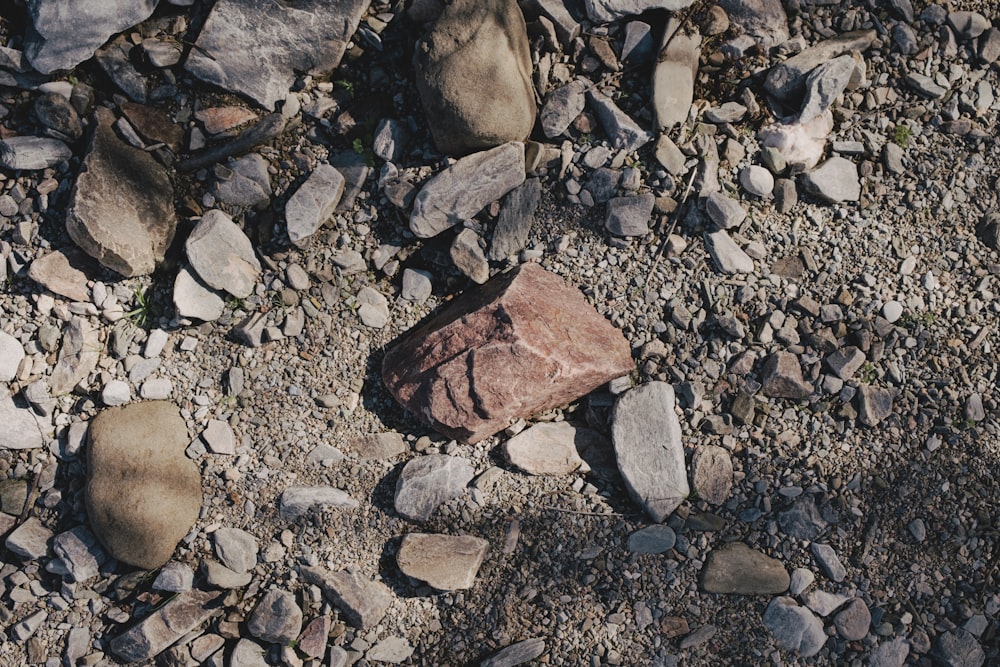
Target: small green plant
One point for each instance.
(911, 322)
(346, 84)
(143, 311)
(901, 135)
(366, 153)
(868, 372)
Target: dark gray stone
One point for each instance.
(802, 519)
(363, 602)
(629, 216)
(736, 568)
(853, 621)
(845, 362)
(874, 404)
(787, 79)
(561, 107)
(794, 628)
(623, 133)
(517, 213)
(764, 20)
(516, 654)
(222, 256)
(277, 618)
(828, 561)
(158, 631)
(782, 377)
(958, 648)
(32, 153)
(652, 540)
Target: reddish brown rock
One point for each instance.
(523, 343)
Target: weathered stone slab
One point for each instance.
(428, 481)
(646, 434)
(296, 501)
(313, 203)
(787, 79)
(736, 568)
(222, 256)
(606, 11)
(445, 562)
(256, 47)
(363, 602)
(551, 448)
(20, 429)
(61, 272)
(32, 153)
(465, 188)
(121, 211)
(794, 628)
(143, 493)
(78, 356)
(158, 631)
(523, 343)
(673, 77)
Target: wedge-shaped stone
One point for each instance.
(121, 211)
(143, 493)
(523, 343)
(445, 562)
(466, 187)
(646, 434)
(552, 448)
(222, 256)
(20, 430)
(736, 568)
(166, 625)
(363, 602)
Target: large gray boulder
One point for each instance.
(256, 47)
(121, 211)
(64, 33)
(143, 493)
(646, 434)
(473, 72)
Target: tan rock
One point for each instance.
(445, 562)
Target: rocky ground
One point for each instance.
(785, 208)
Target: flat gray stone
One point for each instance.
(763, 20)
(174, 578)
(802, 519)
(825, 84)
(794, 628)
(823, 602)
(462, 190)
(390, 139)
(417, 285)
(391, 650)
(561, 108)
(444, 562)
(243, 182)
(121, 211)
(629, 216)
(30, 540)
(219, 437)
(828, 561)
(517, 213)
(958, 648)
(834, 181)
(712, 474)
(236, 548)
(968, 25)
(61, 272)
(801, 579)
(277, 618)
(647, 440)
(606, 11)
(736, 568)
(468, 256)
(757, 180)
(891, 653)
(724, 211)
(674, 74)
(516, 654)
(551, 448)
(32, 153)
(925, 86)
(727, 255)
(115, 393)
(428, 481)
(158, 631)
(64, 33)
(218, 575)
(874, 404)
(782, 377)
(256, 47)
(194, 299)
(296, 501)
(222, 256)
(623, 133)
(362, 602)
(379, 445)
(11, 354)
(313, 203)
(845, 362)
(78, 356)
(787, 79)
(248, 653)
(79, 553)
(652, 540)
(373, 309)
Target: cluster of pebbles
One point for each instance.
(787, 209)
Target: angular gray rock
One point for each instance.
(222, 256)
(825, 84)
(828, 561)
(712, 474)
(782, 377)
(958, 648)
(428, 481)
(64, 33)
(834, 181)
(787, 79)
(794, 628)
(623, 133)
(892, 653)
(393, 650)
(277, 618)
(79, 555)
(968, 25)
(142, 493)
(606, 11)
(764, 20)
(674, 74)
(257, 47)
(737, 569)
(652, 540)
(444, 562)
(236, 548)
(11, 354)
(728, 257)
(30, 540)
(465, 188)
(195, 299)
(516, 654)
(243, 182)
(468, 256)
(845, 362)
(757, 180)
(379, 445)
(390, 139)
(629, 216)
(517, 213)
(724, 211)
(158, 631)
(417, 285)
(121, 210)
(78, 356)
(296, 501)
(20, 428)
(313, 203)
(551, 448)
(248, 653)
(801, 579)
(874, 404)
(32, 153)
(646, 434)
(373, 310)
(473, 73)
(561, 107)
(362, 602)
(802, 519)
(824, 603)
(61, 272)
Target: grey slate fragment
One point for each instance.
(30, 540)
(845, 362)
(834, 181)
(80, 552)
(802, 519)
(20, 428)
(828, 561)
(236, 548)
(277, 618)
(308, 36)
(428, 481)
(787, 79)
(652, 540)
(825, 84)
(314, 202)
(295, 501)
(958, 648)
(629, 216)
(517, 213)
(724, 211)
(222, 256)
(606, 11)
(516, 654)
(166, 625)
(561, 107)
(362, 601)
(874, 404)
(890, 653)
(623, 132)
(32, 153)
(782, 377)
(647, 440)
(264, 130)
(737, 568)
(727, 255)
(793, 627)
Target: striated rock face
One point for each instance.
(122, 208)
(143, 493)
(523, 343)
(473, 72)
